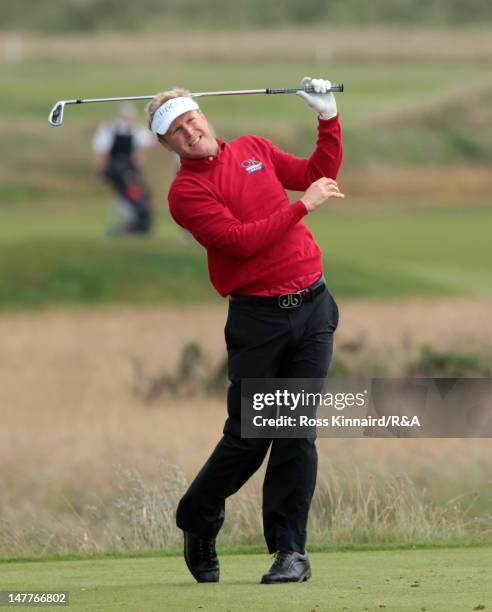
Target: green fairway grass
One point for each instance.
(441, 580)
(64, 258)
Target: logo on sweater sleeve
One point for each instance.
(252, 165)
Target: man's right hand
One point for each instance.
(319, 191)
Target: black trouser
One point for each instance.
(265, 342)
(127, 182)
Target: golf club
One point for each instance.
(55, 117)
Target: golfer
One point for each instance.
(231, 197)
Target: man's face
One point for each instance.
(190, 137)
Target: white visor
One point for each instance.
(167, 113)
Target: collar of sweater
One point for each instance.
(204, 162)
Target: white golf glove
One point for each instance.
(322, 102)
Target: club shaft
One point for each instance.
(336, 87)
(56, 114)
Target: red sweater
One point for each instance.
(236, 206)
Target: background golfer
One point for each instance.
(118, 156)
(231, 197)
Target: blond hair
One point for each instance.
(159, 99)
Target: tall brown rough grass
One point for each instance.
(86, 466)
(348, 508)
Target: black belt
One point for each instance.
(286, 301)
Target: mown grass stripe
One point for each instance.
(251, 550)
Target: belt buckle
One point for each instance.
(289, 300)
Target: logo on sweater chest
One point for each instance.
(252, 165)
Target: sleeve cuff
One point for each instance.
(327, 121)
(300, 209)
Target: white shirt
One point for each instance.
(105, 134)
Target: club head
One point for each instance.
(56, 114)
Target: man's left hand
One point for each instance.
(323, 103)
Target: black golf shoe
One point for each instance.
(201, 558)
(288, 566)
